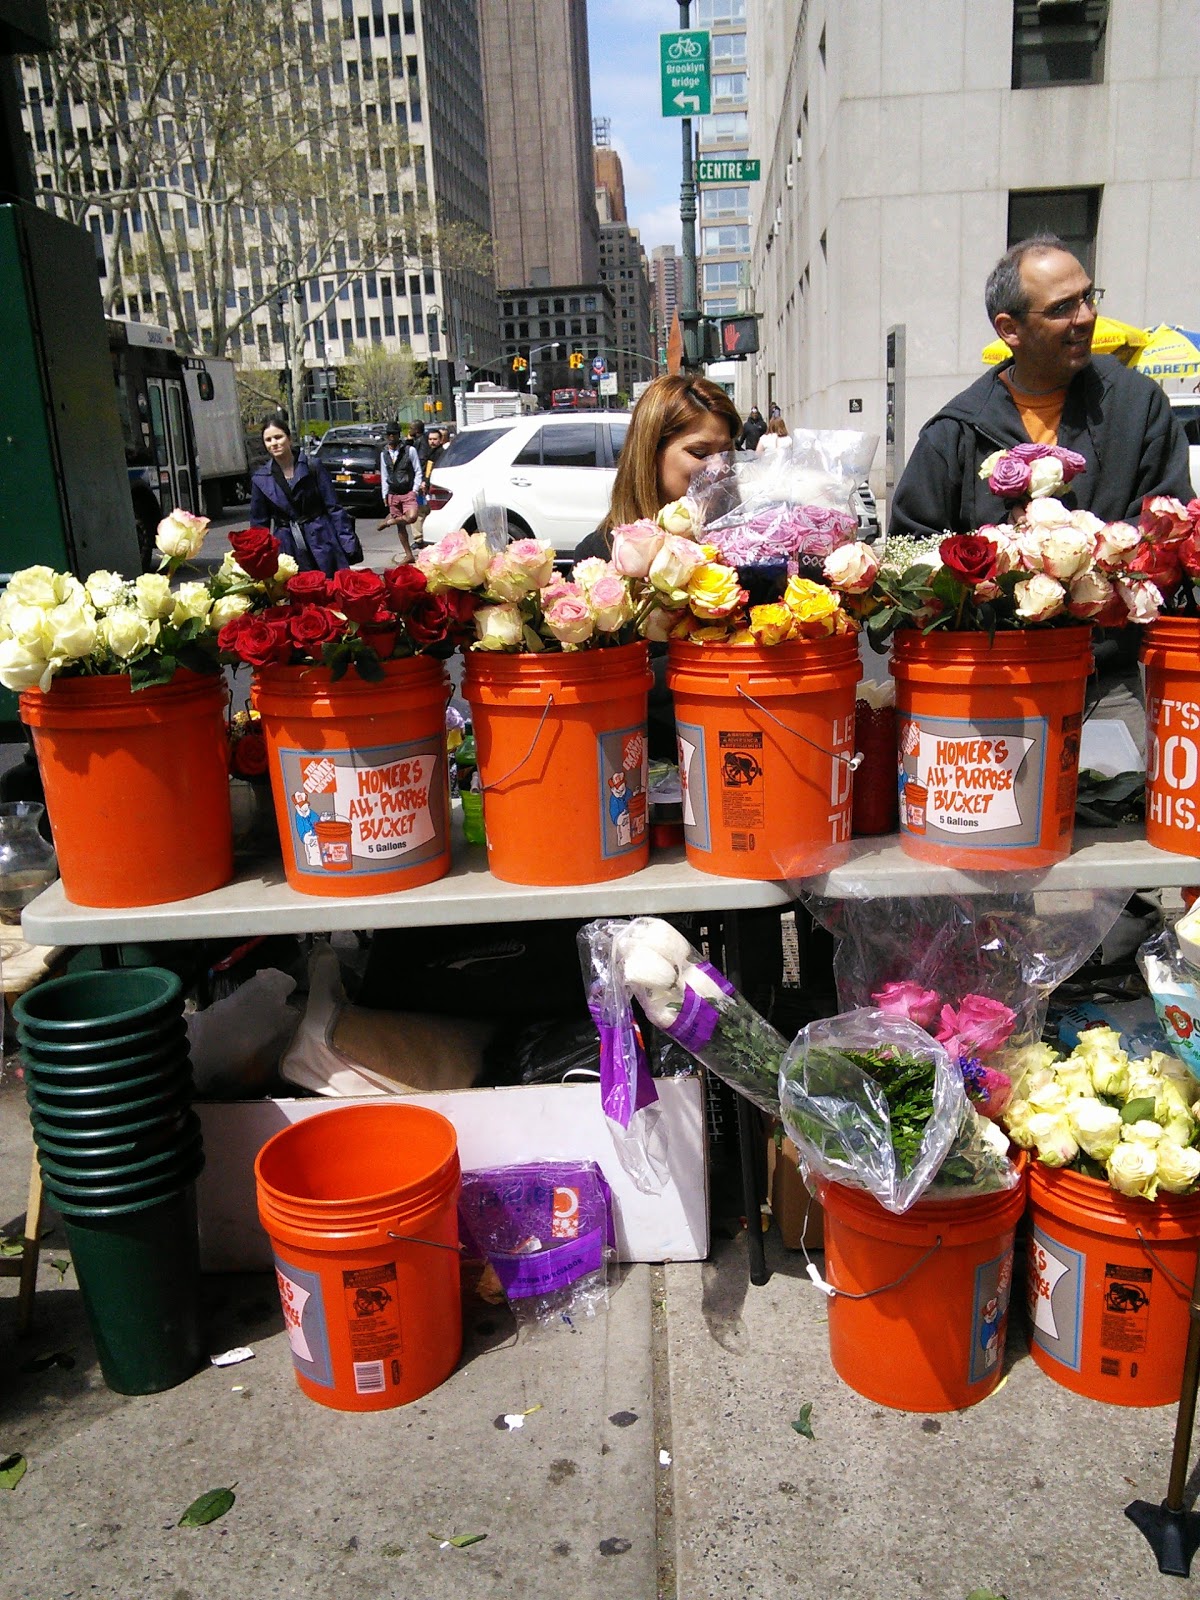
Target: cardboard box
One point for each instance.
(798, 1212)
(496, 1128)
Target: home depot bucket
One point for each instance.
(921, 1313)
(137, 786)
(1110, 1283)
(358, 774)
(1171, 656)
(766, 754)
(563, 763)
(360, 1203)
(988, 733)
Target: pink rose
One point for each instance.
(908, 1000)
(569, 620)
(978, 1028)
(1164, 519)
(1027, 451)
(1010, 477)
(610, 603)
(634, 547)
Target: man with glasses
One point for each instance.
(1042, 303)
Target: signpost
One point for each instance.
(686, 90)
(712, 171)
(608, 383)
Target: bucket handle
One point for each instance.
(834, 1292)
(853, 762)
(434, 1244)
(1162, 1267)
(537, 734)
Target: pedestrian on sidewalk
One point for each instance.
(294, 496)
(776, 438)
(399, 472)
(434, 445)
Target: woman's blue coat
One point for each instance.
(317, 511)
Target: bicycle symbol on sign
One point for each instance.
(684, 50)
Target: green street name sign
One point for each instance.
(728, 171)
(686, 91)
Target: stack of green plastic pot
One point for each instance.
(109, 1083)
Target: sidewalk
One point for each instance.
(1023, 1494)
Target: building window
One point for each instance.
(1058, 43)
(724, 127)
(1073, 214)
(729, 86)
(715, 203)
(719, 240)
(722, 275)
(728, 50)
(708, 11)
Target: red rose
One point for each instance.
(227, 638)
(248, 758)
(309, 588)
(461, 606)
(357, 591)
(381, 637)
(256, 551)
(261, 642)
(1163, 519)
(312, 626)
(969, 557)
(1188, 550)
(1160, 563)
(403, 585)
(428, 621)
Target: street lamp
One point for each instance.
(432, 313)
(534, 350)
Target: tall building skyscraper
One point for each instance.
(666, 291)
(623, 269)
(723, 251)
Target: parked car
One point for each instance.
(351, 458)
(552, 474)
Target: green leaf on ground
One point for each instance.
(61, 1267)
(984, 1594)
(11, 1247)
(803, 1423)
(207, 1508)
(12, 1469)
(460, 1541)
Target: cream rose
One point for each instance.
(1051, 1133)
(680, 517)
(153, 597)
(192, 602)
(226, 609)
(20, 667)
(1178, 1169)
(180, 535)
(126, 632)
(673, 566)
(72, 629)
(35, 586)
(105, 589)
(852, 568)
(1045, 477)
(499, 627)
(1039, 598)
(1133, 1170)
(1096, 1127)
(1065, 553)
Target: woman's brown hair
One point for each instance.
(778, 427)
(666, 408)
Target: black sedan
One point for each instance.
(353, 464)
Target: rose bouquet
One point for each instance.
(1132, 1122)
(54, 624)
(971, 1032)
(272, 614)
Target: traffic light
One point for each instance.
(739, 337)
(519, 364)
(576, 358)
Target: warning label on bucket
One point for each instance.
(1055, 1294)
(743, 785)
(1125, 1317)
(982, 779)
(373, 1321)
(304, 1319)
(693, 785)
(366, 811)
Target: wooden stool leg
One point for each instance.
(32, 1250)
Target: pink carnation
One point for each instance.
(908, 1000)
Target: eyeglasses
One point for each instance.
(1068, 310)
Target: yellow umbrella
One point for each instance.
(1110, 338)
(1170, 352)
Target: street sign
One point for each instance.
(686, 91)
(608, 383)
(639, 389)
(599, 366)
(711, 171)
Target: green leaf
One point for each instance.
(61, 1267)
(984, 1594)
(533, 639)
(1138, 1110)
(803, 1424)
(152, 671)
(369, 667)
(12, 1469)
(11, 1247)
(460, 1541)
(208, 1508)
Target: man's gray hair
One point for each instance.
(1005, 291)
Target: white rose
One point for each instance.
(659, 936)
(644, 968)
(105, 589)
(1044, 515)
(1133, 1170)
(72, 628)
(1008, 549)
(1065, 553)
(1087, 522)
(192, 600)
(1177, 1169)
(1115, 543)
(988, 465)
(1097, 1128)
(1045, 477)
(1110, 1073)
(1143, 601)
(673, 566)
(1048, 1097)
(286, 567)
(1016, 1119)
(35, 586)
(851, 568)
(1141, 1132)
(680, 517)
(20, 667)
(180, 535)
(1039, 598)
(1051, 1133)
(27, 625)
(229, 572)
(126, 632)
(1074, 1078)
(153, 595)
(499, 627)
(226, 609)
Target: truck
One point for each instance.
(486, 401)
(220, 436)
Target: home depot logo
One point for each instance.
(319, 776)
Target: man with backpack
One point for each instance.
(400, 472)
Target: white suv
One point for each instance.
(553, 474)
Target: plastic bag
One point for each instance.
(546, 1232)
(1174, 985)
(871, 1101)
(235, 1044)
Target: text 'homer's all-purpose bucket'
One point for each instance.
(766, 754)
(988, 733)
(360, 1203)
(358, 774)
(1171, 656)
(563, 762)
(920, 1313)
(1110, 1284)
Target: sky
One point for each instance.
(623, 46)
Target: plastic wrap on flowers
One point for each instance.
(686, 998)
(871, 1101)
(1169, 965)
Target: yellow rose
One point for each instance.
(814, 607)
(713, 591)
(771, 624)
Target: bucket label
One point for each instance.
(624, 773)
(366, 811)
(980, 779)
(989, 1318)
(1055, 1293)
(373, 1322)
(743, 786)
(1125, 1312)
(304, 1319)
(693, 784)
(1172, 762)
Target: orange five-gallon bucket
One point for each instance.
(361, 1206)
(358, 775)
(927, 1329)
(766, 747)
(137, 786)
(1110, 1283)
(1171, 657)
(989, 734)
(563, 762)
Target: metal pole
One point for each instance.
(689, 314)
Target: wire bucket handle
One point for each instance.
(537, 734)
(851, 762)
(1161, 1265)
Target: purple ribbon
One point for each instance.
(625, 1082)
(696, 1022)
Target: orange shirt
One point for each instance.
(1040, 413)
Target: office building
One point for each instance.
(666, 292)
(623, 270)
(723, 243)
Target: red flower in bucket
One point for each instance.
(256, 551)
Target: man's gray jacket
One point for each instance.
(1118, 420)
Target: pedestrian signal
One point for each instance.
(739, 337)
